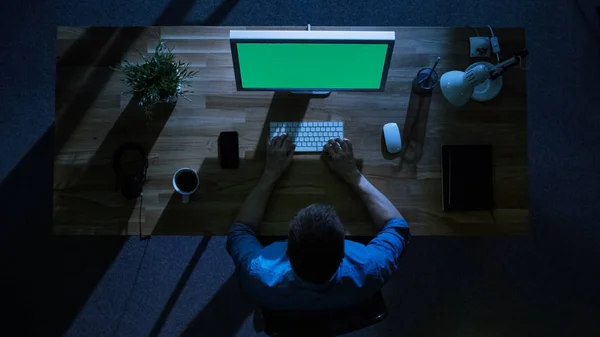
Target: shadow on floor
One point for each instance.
(24, 200)
(218, 15)
(49, 278)
(225, 314)
(160, 322)
(175, 13)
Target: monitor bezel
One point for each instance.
(386, 66)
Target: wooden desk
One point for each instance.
(93, 118)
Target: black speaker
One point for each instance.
(130, 184)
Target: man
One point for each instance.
(316, 269)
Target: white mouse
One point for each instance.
(391, 136)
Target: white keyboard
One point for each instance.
(308, 136)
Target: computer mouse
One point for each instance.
(391, 136)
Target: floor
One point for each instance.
(543, 284)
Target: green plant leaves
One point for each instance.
(159, 77)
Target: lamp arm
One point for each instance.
(501, 67)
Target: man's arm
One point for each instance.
(341, 161)
(385, 250)
(253, 208)
(380, 207)
(280, 152)
(242, 244)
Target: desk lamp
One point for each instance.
(481, 81)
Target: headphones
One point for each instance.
(131, 184)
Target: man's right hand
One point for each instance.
(340, 159)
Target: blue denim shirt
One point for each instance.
(266, 274)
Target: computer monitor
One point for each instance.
(311, 61)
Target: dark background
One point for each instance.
(545, 284)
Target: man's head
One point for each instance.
(316, 243)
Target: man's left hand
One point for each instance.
(280, 152)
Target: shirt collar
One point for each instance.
(315, 286)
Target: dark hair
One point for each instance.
(316, 243)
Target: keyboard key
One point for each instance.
(306, 149)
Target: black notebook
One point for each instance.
(467, 177)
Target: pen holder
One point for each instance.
(425, 81)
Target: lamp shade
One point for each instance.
(456, 88)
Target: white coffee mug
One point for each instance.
(186, 182)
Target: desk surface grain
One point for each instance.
(94, 117)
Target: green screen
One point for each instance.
(311, 65)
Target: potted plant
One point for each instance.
(160, 78)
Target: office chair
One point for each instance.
(325, 323)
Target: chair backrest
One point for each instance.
(325, 323)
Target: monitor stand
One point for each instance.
(311, 93)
